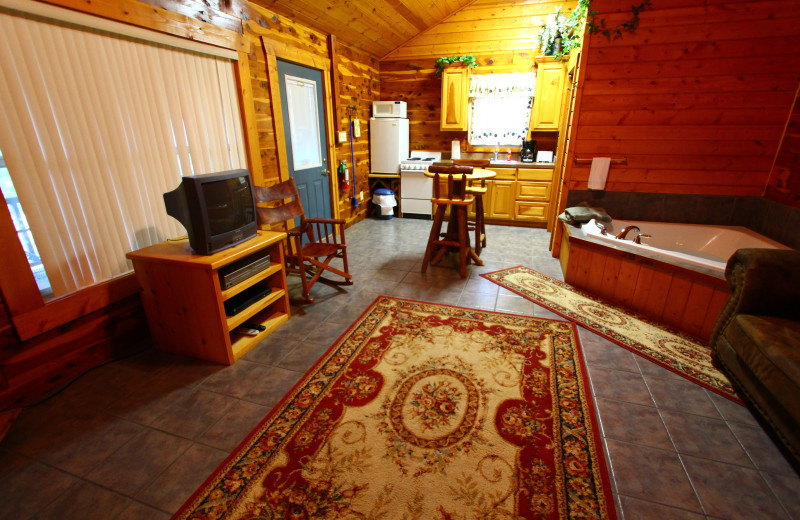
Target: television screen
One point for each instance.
(217, 209)
(229, 203)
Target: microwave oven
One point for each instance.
(389, 109)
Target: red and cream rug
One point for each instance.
(670, 349)
(426, 411)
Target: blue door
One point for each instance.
(304, 134)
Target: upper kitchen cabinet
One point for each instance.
(455, 98)
(550, 74)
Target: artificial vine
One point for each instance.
(616, 31)
(444, 61)
(566, 30)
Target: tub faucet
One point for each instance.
(626, 230)
(601, 227)
(639, 237)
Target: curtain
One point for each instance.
(500, 108)
(95, 127)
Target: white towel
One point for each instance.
(599, 173)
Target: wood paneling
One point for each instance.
(696, 98)
(678, 298)
(499, 34)
(372, 26)
(784, 180)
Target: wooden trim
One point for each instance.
(563, 189)
(73, 306)
(277, 115)
(157, 19)
(335, 87)
(247, 107)
(17, 283)
(274, 50)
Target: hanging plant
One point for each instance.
(444, 61)
(562, 33)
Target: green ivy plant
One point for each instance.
(616, 31)
(444, 61)
(569, 28)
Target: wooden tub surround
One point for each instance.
(678, 297)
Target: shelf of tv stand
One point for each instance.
(184, 300)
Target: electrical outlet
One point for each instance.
(360, 195)
(342, 137)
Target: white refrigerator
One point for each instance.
(388, 144)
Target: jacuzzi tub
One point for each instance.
(676, 277)
(700, 245)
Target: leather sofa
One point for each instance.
(756, 339)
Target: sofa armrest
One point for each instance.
(763, 282)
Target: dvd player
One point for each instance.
(240, 271)
(236, 304)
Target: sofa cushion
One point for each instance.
(770, 347)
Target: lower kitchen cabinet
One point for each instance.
(501, 200)
(519, 195)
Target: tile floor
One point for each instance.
(134, 438)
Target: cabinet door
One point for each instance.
(455, 97)
(538, 191)
(547, 98)
(502, 200)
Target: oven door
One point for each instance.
(416, 193)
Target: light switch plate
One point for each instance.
(357, 127)
(342, 137)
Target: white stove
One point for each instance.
(417, 189)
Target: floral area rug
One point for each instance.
(668, 348)
(426, 411)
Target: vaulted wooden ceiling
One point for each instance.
(373, 26)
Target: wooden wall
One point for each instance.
(784, 181)
(696, 99)
(356, 81)
(499, 34)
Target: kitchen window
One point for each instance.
(500, 108)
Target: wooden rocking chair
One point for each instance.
(325, 237)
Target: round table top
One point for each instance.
(476, 175)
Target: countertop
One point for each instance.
(508, 164)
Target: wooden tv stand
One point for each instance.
(184, 299)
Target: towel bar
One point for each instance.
(621, 160)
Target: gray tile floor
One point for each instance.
(134, 438)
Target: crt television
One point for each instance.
(218, 209)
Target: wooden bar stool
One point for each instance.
(479, 226)
(478, 191)
(457, 200)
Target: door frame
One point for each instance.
(274, 51)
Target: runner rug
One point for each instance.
(426, 411)
(670, 349)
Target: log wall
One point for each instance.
(695, 99)
(499, 34)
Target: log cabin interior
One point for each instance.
(696, 108)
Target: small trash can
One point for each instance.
(384, 200)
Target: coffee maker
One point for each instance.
(528, 151)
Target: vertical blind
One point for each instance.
(95, 127)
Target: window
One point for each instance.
(95, 127)
(500, 108)
(23, 230)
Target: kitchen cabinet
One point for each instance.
(547, 100)
(455, 98)
(519, 195)
(501, 200)
(185, 300)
